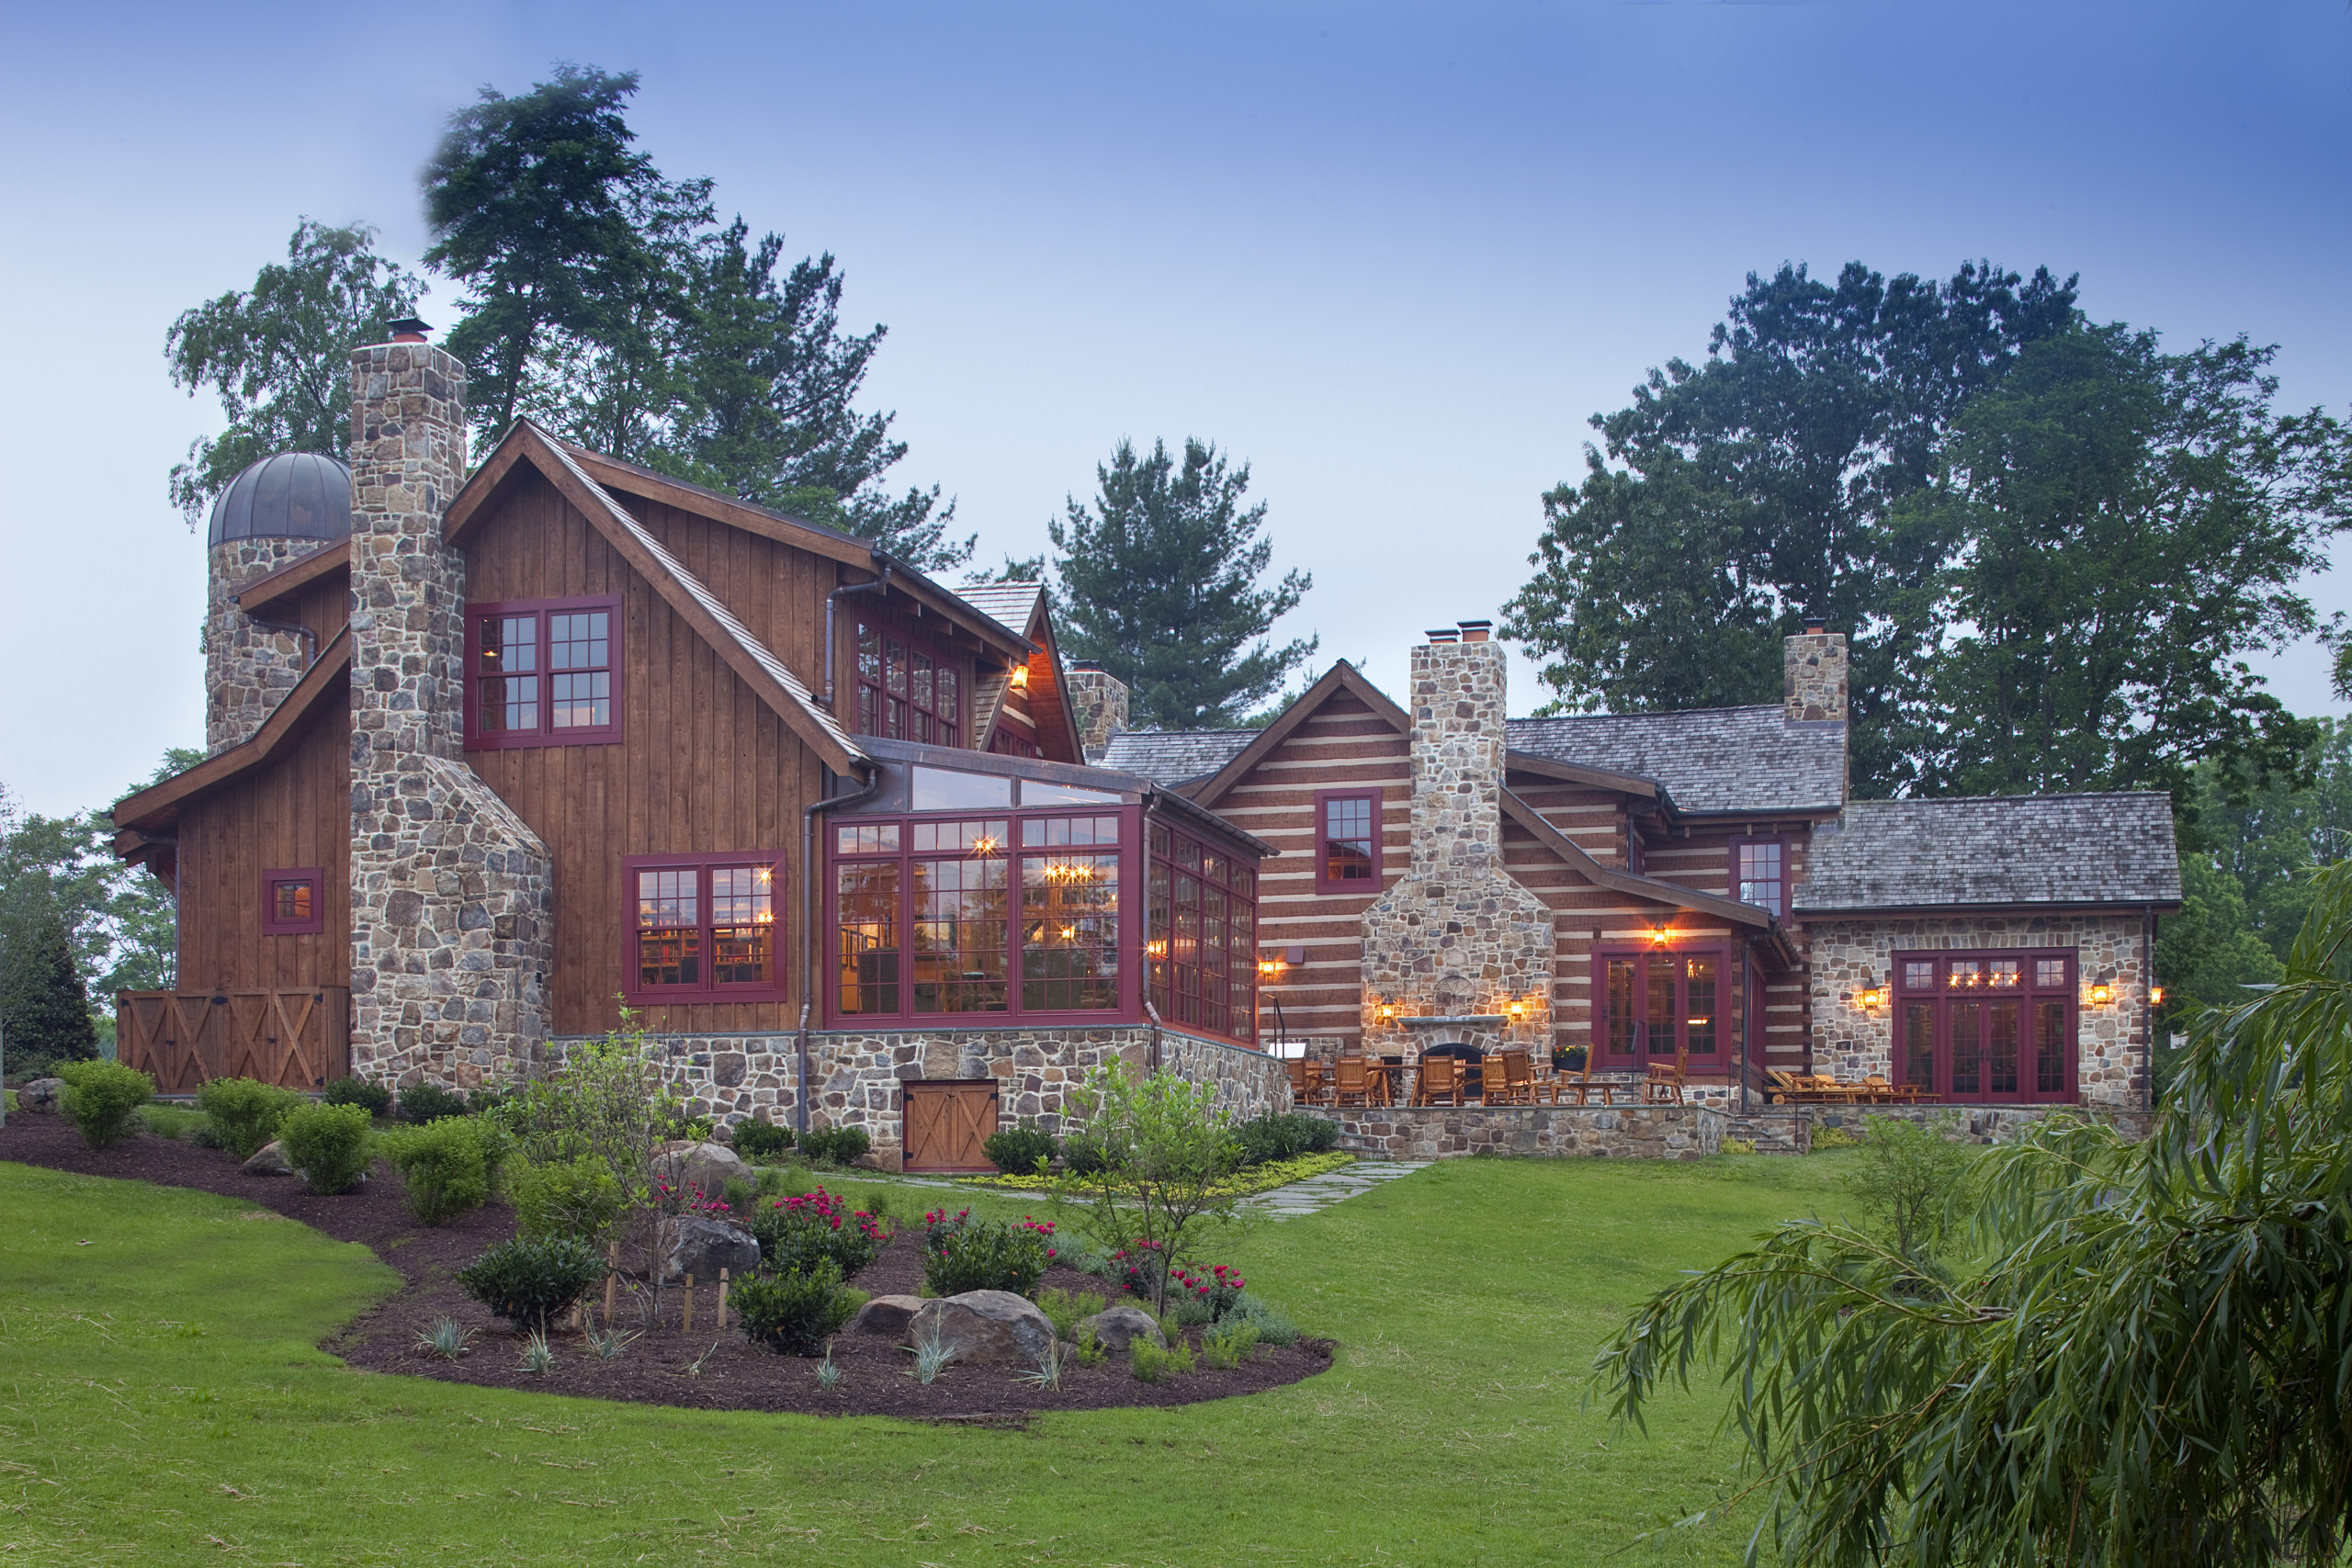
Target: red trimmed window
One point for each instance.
(294, 901)
(1347, 840)
(704, 928)
(1760, 872)
(543, 672)
(907, 690)
(1647, 1005)
(1201, 935)
(1992, 1026)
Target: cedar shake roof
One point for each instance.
(1995, 850)
(1707, 760)
(1010, 606)
(1172, 757)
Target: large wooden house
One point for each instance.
(498, 751)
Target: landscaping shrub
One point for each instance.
(794, 1311)
(1915, 1181)
(1018, 1151)
(797, 1234)
(447, 1166)
(1273, 1326)
(1066, 1308)
(1084, 1155)
(530, 1280)
(986, 1255)
(839, 1145)
(1229, 1345)
(245, 1113)
(172, 1120)
(1213, 1295)
(430, 1102)
(1151, 1364)
(102, 1099)
(327, 1144)
(1278, 1137)
(762, 1140)
(1140, 1268)
(575, 1198)
(373, 1097)
(1827, 1139)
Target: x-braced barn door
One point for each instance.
(947, 1122)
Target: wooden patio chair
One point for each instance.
(1583, 1085)
(1879, 1092)
(1352, 1082)
(1663, 1086)
(1785, 1088)
(1829, 1090)
(1318, 1083)
(1298, 1086)
(1441, 1078)
(1518, 1085)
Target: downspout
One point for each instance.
(1748, 1011)
(882, 583)
(287, 628)
(1152, 1013)
(809, 814)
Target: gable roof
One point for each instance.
(1727, 761)
(1340, 677)
(2059, 849)
(156, 808)
(1012, 605)
(1024, 608)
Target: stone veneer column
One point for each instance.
(1099, 701)
(1457, 934)
(452, 919)
(247, 672)
(1812, 668)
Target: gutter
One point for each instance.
(288, 628)
(809, 814)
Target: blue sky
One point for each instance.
(1391, 256)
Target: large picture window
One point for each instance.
(704, 929)
(543, 672)
(1347, 841)
(1648, 1006)
(1002, 915)
(906, 689)
(1987, 1026)
(1201, 935)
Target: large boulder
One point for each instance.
(269, 1160)
(1116, 1328)
(710, 1167)
(985, 1328)
(703, 1247)
(41, 1094)
(886, 1314)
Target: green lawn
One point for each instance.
(161, 1402)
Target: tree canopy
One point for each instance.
(2145, 1360)
(1161, 581)
(278, 355)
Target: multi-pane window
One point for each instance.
(906, 690)
(1069, 913)
(1986, 1026)
(1201, 935)
(704, 931)
(293, 902)
(545, 673)
(1347, 841)
(1759, 872)
(963, 912)
(1652, 1004)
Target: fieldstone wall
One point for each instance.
(1852, 956)
(1814, 676)
(1623, 1131)
(1976, 1123)
(1099, 701)
(1457, 935)
(855, 1075)
(452, 922)
(247, 672)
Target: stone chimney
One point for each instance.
(1099, 701)
(1812, 667)
(451, 928)
(1457, 937)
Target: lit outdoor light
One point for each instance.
(2155, 995)
(2101, 993)
(1387, 1011)
(1518, 1011)
(1658, 936)
(1870, 997)
(1020, 677)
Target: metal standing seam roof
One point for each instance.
(294, 495)
(1708, 760)
(1995, 850)
(1173, 757)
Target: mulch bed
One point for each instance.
(734, 1373)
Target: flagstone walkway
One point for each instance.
(1319, 1192)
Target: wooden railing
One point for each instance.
(297, 1039)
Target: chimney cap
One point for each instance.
(1476, 631)
(1444, 634)
(408, 329)
(1086, 666)
(1815, 625)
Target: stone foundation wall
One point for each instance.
(247, 672)
(1851, 955)
(854, 1076)
(1625, 1132)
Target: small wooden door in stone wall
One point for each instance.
(947, 1122)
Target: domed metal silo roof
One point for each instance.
(295, 495)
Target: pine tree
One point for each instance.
(1159, 582)
(44, 1007)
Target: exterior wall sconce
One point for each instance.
(1658, 936)
(2155, 995)
(1020, 677)
(1519, 1013)
(1270, 967)
(1387, 1011)
(2102, 992)
(1869, 998)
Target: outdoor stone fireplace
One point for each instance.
(1456, 949)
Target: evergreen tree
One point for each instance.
(1160, 582)
(279, 355)
(44, 1007)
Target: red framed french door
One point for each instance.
(1990, 1028)
(1646, 1004)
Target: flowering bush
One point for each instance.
(1218, 1290)
(686, 1198)
(1140, 1268)
(939, 1223)
(819, 1226)
(965, 1254)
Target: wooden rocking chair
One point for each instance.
(1664, 1084)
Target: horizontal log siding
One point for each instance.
(704, 766)
(1702, 861)
(1344, 745)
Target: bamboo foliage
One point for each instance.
(2147, 1358)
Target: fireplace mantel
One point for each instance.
(1409, 1020)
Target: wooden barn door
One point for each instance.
(947, 1122)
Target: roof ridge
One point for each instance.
(1654, 713)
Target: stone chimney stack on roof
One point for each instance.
(1812, 664)
(1100, 700)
